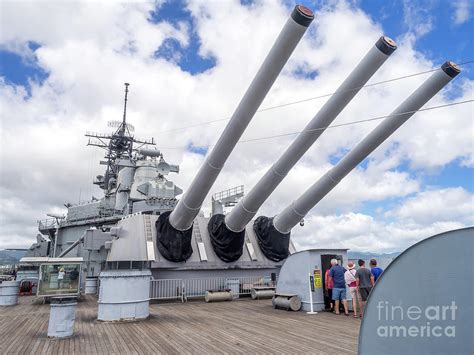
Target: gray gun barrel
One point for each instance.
(188, 207)
(72, 246)
(293, 214)
(246, 209)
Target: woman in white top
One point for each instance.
(349, 278)
(61, 274)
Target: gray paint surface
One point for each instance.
(428, 276)
(200, 273)
(9, 293)
(124, 295)
(293, 214)
(247, 208)
(40, 248)
(188, 207)
(294, 276)
(90, 287)
(62, 317)
(131, 244)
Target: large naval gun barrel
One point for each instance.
(175, 228)
(273, 234)
(249, 205)
(231, 229)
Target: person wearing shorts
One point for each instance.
(336, 274)
(365, 282)
(351, 283)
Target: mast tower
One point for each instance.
(118, 146)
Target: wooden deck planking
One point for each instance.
(241, 326)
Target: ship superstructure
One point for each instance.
(134, 181)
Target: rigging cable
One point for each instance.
(310, 99)
(333, 126)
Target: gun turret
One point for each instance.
(274, 233)
(232, 227)
(175, 228)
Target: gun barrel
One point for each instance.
(188, 207)
(246, 209)
(293, 213)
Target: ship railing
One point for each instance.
(166, 289)
(247, 283)
(183, 289)
(194, 288)
(91, 219)
(234, 191)
(48, 223)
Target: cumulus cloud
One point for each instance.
(440, 205)
(100, 46)
(417, 217)
(361, 232)
(462, 11)
(417, 18)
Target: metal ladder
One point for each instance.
(199, 242)
(150, 248)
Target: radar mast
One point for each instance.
(118, 145)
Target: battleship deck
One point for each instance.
(240, 326)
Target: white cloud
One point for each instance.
(441, 205)
(462, 11)
(44, 161)
(358, 187)
(417, 18)
(415, 218)
(360, 232)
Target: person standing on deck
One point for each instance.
(351, 282)
(365, 282)
(336, 274)
(329, 286)
(61, 274)
(376, 271)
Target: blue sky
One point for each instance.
(190, 60)
(435, 32)
(20, 71)
(441, 39)
(442, 42)
(445, 41)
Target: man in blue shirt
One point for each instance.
(376, 271)
(339, 290)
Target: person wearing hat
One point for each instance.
(351, 282)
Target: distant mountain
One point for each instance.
(11, 256)
(383, 260)
(369, 255)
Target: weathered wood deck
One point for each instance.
(242, 326)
